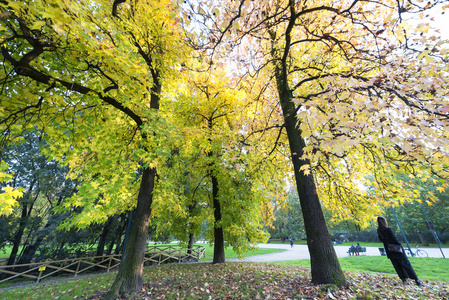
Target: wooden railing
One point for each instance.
(40, 270)
(161, 254)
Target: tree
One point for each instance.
(8, 195)
(91, 74)
(224, 180)
(360, 93)
(43, 181)
(429, 198)
(288, 222)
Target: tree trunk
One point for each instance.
(30, 250)
(190, 246)
(129, 281)
(26, 212)
(18, 237)
(102, 241)
(103, 235)
(219, 254)
(422, 238)
(116, 236)
(323, 259)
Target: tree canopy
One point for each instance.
(168, 106)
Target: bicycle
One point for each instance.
(418, 252)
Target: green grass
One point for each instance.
(230, 253)
(6, 251)
(432, 269)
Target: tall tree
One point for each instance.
(91, 74)
(359, 91)
(40, 177)
(218, 165)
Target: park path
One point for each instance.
(299, 252)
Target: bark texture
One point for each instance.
(128, 281)
(324, 262)
(219, 254)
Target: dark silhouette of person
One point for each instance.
(400, 261)
(358, 248)
(291, 243)
(352, 250)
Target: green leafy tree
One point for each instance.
(45, 185)
(430, 199)
(223, 181)
(288, 223)
(91, 74)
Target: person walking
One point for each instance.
(291, 243)
(395, 252)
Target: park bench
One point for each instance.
(361, 250)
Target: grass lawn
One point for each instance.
(370, 277)
(229, 253)
(431, 269)
(235, 281)
(364, 244)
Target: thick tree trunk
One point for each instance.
(324, 262)
(129, 278)
(219, 254)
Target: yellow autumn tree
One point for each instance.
(362, 94)
(91, 75)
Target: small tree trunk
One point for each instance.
(219, 254)
(422, 238)
(103, 235)
(102, 240)
(30, 250)
(18, 236)
(22, 224)
(129, 281)
(190, 246)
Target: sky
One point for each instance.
(439, 19)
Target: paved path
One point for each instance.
(301, 252)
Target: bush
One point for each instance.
(444, 237)
(413, 237)
(364, 236)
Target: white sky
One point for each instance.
(440, 20)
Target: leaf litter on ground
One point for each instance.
(242, 280)
(236, 280)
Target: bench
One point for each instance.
(382, 251)
(357, 250)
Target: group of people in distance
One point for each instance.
(355, 250)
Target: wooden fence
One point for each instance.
(40, 270)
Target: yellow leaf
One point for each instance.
(38, 25)
(440, 189)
